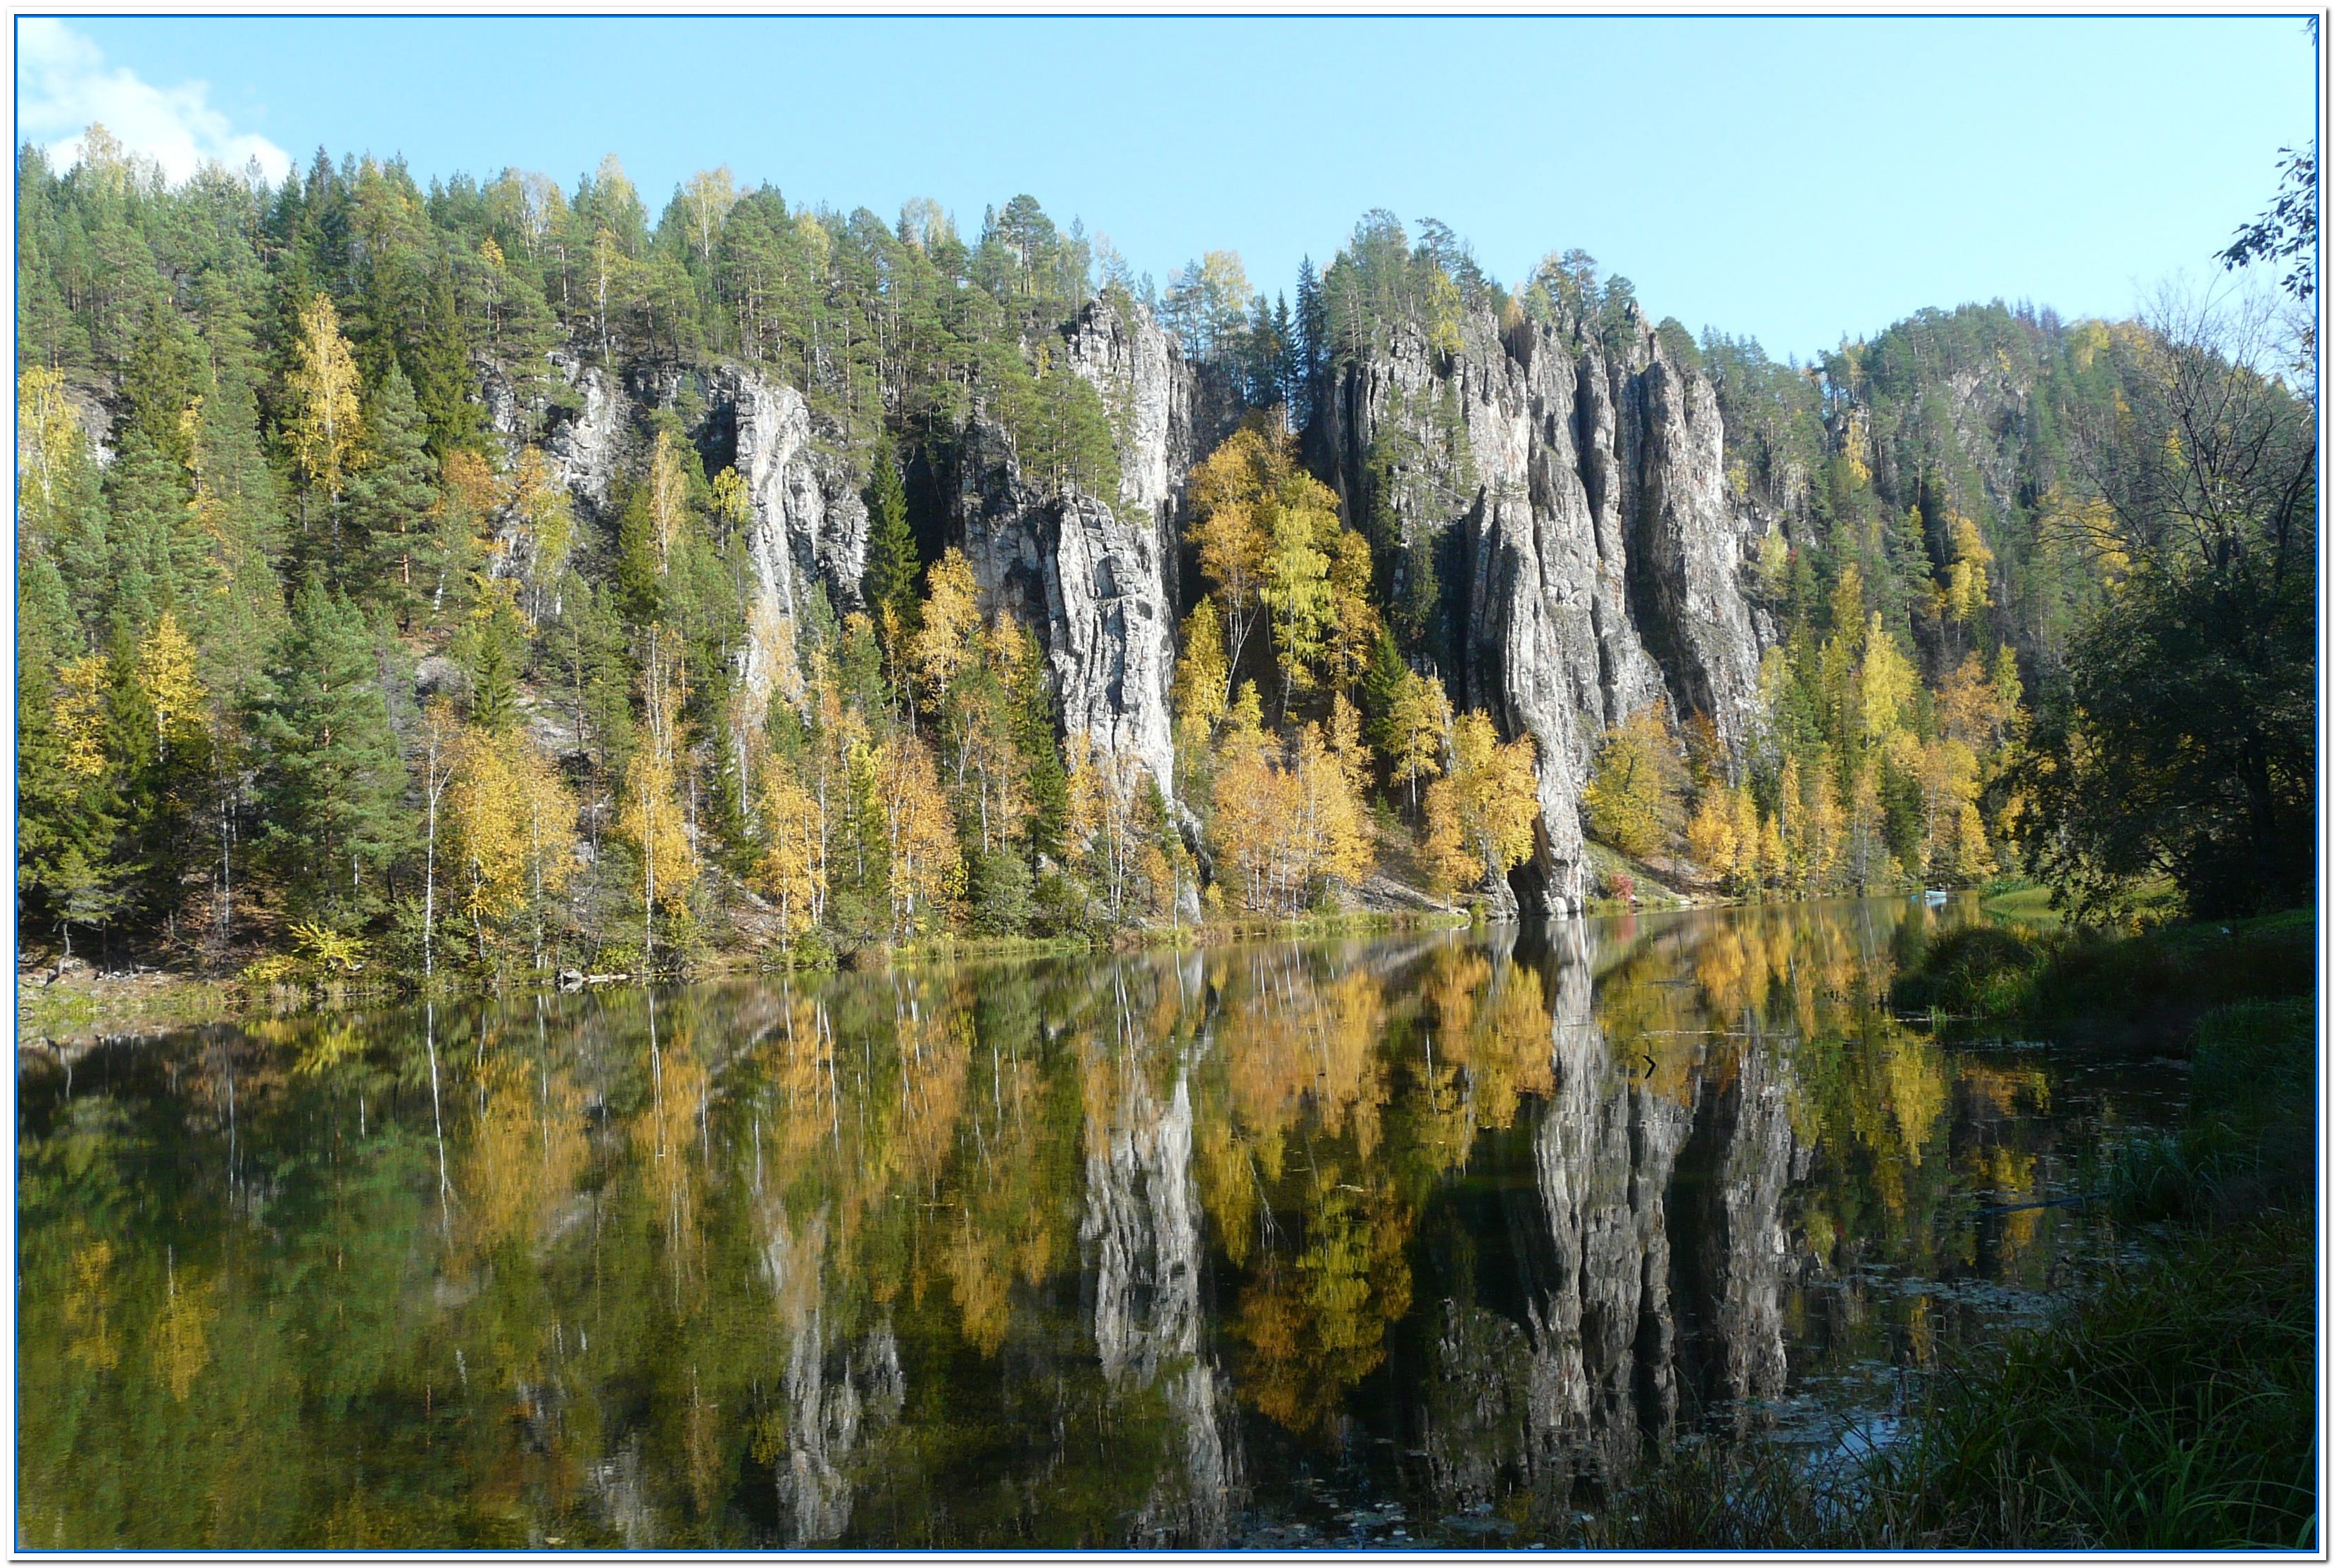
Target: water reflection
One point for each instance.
(1268, 1244)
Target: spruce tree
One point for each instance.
(889, 582)
(390, 501)
(329, 791)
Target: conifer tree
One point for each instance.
(391, 498)
(330, 792)
(889, 583)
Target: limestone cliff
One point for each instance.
(1094, 576)
(1595, 560)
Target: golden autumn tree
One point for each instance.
(1269, 535)
(949, 635)
(323, 426)
(1113, 828)
(1710, 840)
(927, 863)
(1328, 836)
(510, 816)
(1202, 693)
(793, 869)
(1481, 813)
(1417, 726)
(649, 816)
(1632, 796)
(77, 716)
(173, 693)
(1251, 804)
(546, 523)
(668, 499)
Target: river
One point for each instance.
(1410, 1240)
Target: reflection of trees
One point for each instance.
(1038, 1255)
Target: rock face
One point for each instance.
(585, 451)
(1595, 561)
(1597, 564)
(808, 522)
(1094, 576)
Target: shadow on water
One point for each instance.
(1418, 1240)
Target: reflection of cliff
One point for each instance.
(1141, 1232)
(835, 1393)
(1662, 1156)
(1602, 1330)
(1746, 1137)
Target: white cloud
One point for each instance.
(63, 86)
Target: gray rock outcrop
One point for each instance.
(1599, 562)
(808, 525)
(1094, 576)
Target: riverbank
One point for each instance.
(2171, 1408)
(77, 1005)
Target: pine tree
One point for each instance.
(330, 792)
(239, 517)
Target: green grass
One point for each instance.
(2027, 906)
(2076, 984)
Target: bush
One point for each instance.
(1000, 885)
(1064, 908)
(1976, 969)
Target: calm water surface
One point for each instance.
(1405, 1241)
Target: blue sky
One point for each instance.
(1794, 179)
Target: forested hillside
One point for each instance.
(484, 580)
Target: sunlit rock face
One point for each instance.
(807, 524)
(1594, 561)
(1094, 576)
(838, 1390)
(1141, 1235)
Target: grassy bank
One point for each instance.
(2172, 1408)
(83, 1008)
(2078, 985)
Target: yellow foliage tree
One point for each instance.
(1482, 812)
(1963, 592)
(1269, 537)
(77, 715)
(927, 863)
(1632, 798)
(1329, 840)
(1418, 725)
(1710, 836)
(1885, 684)
(650, 818)
(950, 633)
(668, 499)
(174, 694)
(1201, 677)
(510, 816)
(546, 524)
(793, 869)
(324, 425)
